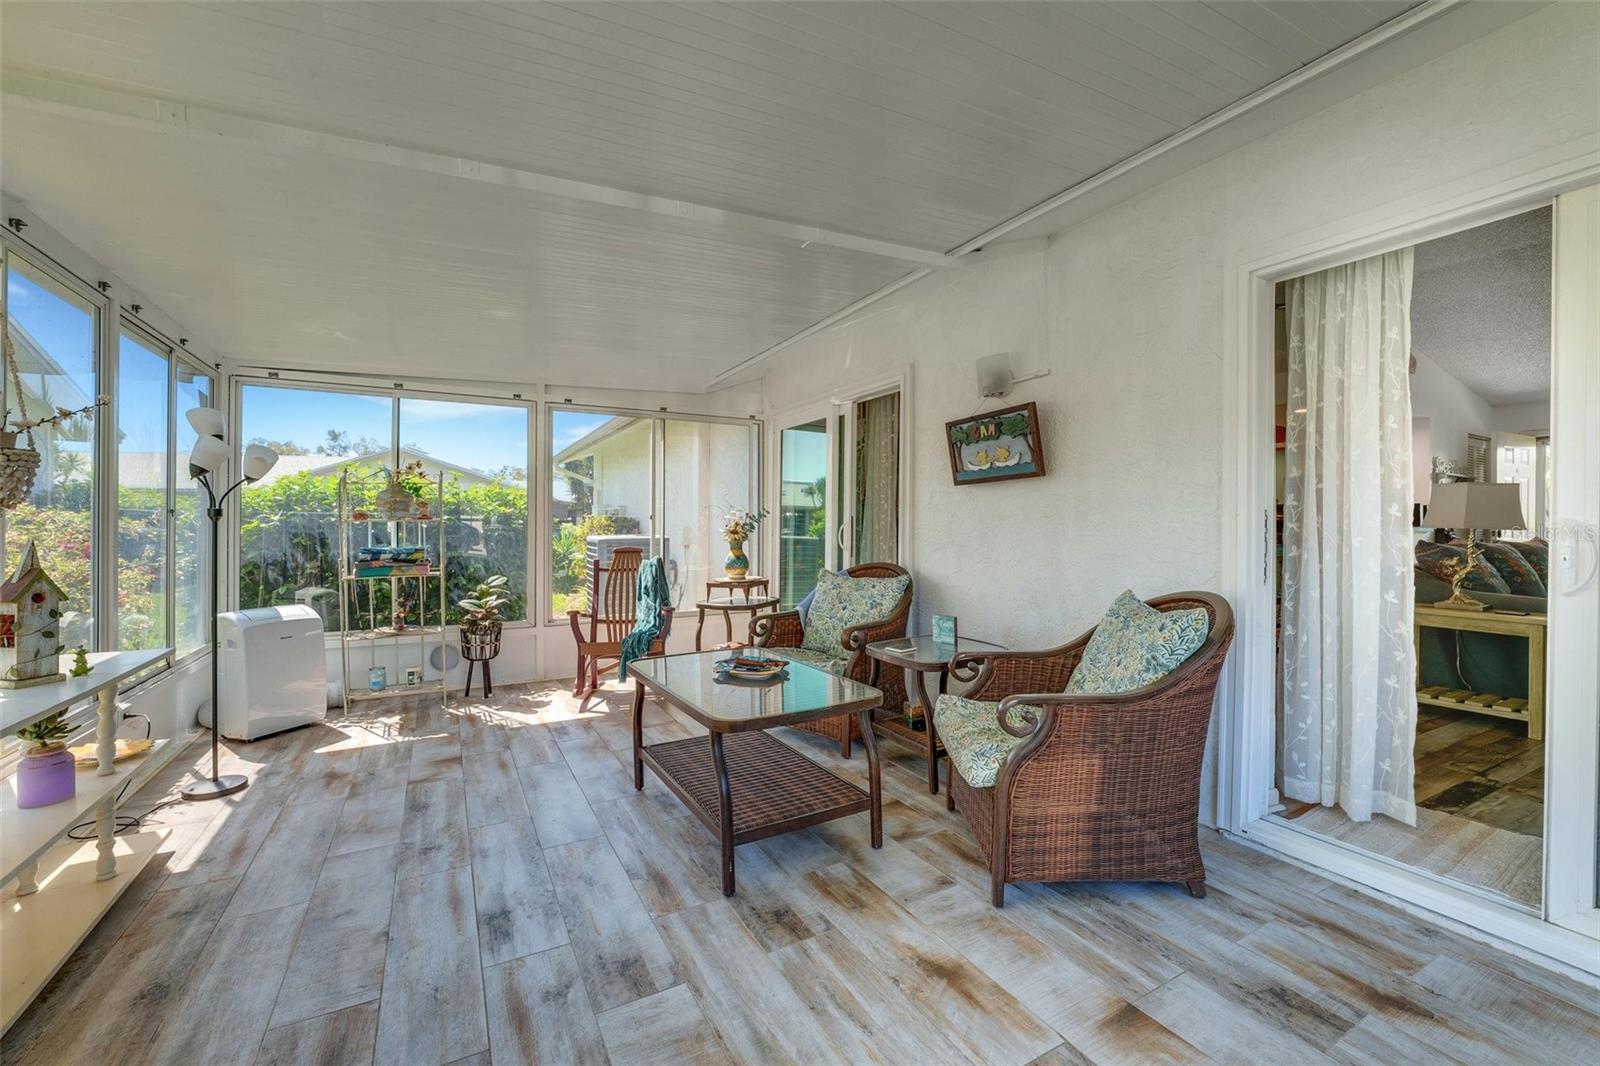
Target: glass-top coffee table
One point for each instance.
(917, 656)
(743, 784)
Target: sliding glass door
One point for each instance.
(804, 519)
(840, 499)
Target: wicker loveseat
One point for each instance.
(786, 630)
(1101, 787)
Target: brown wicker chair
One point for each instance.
(1104, 787)
(613, 610)
(785, 630)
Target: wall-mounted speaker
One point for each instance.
(994, 375)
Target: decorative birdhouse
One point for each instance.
(30, 625)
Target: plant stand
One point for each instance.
(365, 624)
(479, 645)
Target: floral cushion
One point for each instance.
(1135, 645)
(971, 734)
(833, 664)
(1518, 574)
(1537, 554)
(843, 602)
(1439, 560)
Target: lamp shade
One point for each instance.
(208, 454)
(258, 459)
(207, 421)
(1476, 505)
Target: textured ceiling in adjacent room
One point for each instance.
(1480, 307)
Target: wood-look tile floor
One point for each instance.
(483, 885)
(1480, 807)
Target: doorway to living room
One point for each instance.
(1412, 459)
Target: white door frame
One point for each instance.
(1245, 742)
(1572, 742)
(829, 408)
(824, 411)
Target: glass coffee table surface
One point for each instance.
(926, 652)
(690, 683)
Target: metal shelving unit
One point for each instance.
(364, 621)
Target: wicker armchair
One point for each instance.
(785, 630)
(1103, 787)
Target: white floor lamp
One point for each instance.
(206, 461)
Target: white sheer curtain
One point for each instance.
(1349, 665)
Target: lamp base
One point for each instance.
(1463, 605)
(215, 788)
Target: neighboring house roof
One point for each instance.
(587, 443)
(288, 465)
(33, 360)
(796, 495)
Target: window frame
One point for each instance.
(658, 418)
(395, 392)
(102, 570)
(111, 320)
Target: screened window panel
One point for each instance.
(53, 332)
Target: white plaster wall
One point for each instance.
(1453, 410)
(1126, 311)
(1531, 418)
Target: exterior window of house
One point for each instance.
(482, 451)
(288, 534)
(53, 331)
(143, 469)
(191, 531)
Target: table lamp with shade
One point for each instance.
(1473, 505)
(207, 459)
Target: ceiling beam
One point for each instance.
(62, 96)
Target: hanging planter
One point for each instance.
(19, 463)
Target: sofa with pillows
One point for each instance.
(1510, 576)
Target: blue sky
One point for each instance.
(481, 436)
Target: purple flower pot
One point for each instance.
(46, 779)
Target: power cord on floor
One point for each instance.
(125, 823)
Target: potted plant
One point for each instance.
(480, 624)
(738, 527)
(480, 628)
(46, 774)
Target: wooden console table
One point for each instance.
(1528, 626)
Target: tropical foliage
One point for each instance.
(289, 547)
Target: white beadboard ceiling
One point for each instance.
(638, 194)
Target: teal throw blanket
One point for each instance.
(653, 599)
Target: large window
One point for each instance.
(624, 480)
(138, 561)
(53, 331)
(482, 451)
(143, 475)
(191, 531)
(599, 497)
(289, 535)
(289, 548)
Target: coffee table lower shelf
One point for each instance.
(774, 789)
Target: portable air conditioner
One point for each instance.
(274, 671)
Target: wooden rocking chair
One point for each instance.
(613, 611)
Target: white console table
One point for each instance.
(38, 932)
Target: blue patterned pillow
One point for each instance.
(843, 602)
(1135, 645)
